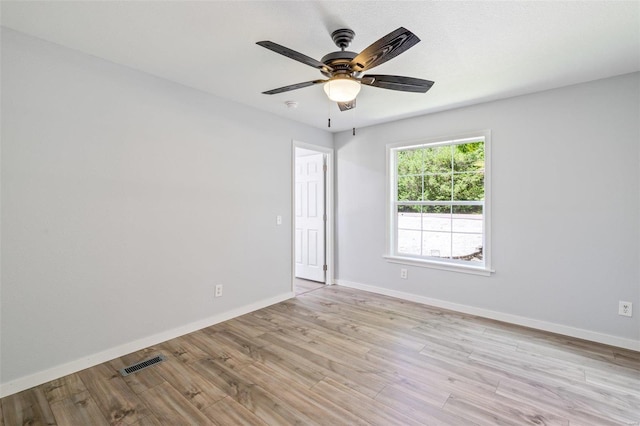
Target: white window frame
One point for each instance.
(391, 199)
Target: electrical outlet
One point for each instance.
(278, 220)
(403, 273)
(625, 308)
(218, 290)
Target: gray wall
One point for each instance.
(566, 214)
(125, 199)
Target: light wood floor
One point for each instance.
(305, 286)
(336, 356)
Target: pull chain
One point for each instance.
(354, 119)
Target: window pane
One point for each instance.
(409, 162)
(467, 247)
(440, 173)
(409, 242)
(436, 244)
(468, 186)
(437, 188)
(469, 157)
(437, 159)
(410, 188)
(409, 217)
(436, 218)
(467, 219)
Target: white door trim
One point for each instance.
(329, 205)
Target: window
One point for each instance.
(438, 210)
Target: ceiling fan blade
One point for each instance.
(297, 56)
(293, 87)
(346, 106)
(388, 47)
(397, 82)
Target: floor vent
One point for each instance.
(142, 365)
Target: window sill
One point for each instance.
(474, 270)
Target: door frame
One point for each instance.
(329, 208)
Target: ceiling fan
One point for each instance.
(344, 68)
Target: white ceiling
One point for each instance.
(474, 51)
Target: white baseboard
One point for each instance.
(56, 372)
(565, 330)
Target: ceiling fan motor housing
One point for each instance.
(339, 62)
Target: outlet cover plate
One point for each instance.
(625, 308)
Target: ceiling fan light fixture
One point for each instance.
(342, 89)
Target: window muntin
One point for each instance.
(438, 201)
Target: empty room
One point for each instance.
(320, 213)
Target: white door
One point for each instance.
(310, 217)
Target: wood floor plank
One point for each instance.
(198, 391)
(304, 286)
(334, 353)
(282, 324)
(63, 388)
(357, 330)
(426, 396)
(266, 406)
(523, 365)
(381, 303)
(362, 406)
(368, 382)
(171, 408)
(321, 302)
(426, 409)
(465, 337)
(220, 351)
(561, 377)
(258, 350)
(251, 347)
(117, 402)
(228, 412)
(312, 407)
(240, 328)
(184, 349)
(496, 414)
(399, 311)
(563, 402)
(150, 420)
(360, 326)
(78, 409)
(624, 383)
(425, 383)
(562, 347)
(610, 366)
(283, 364)
(28, 407)
(443, 348)
(260, 326)
(416, 365)
(301, 362)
